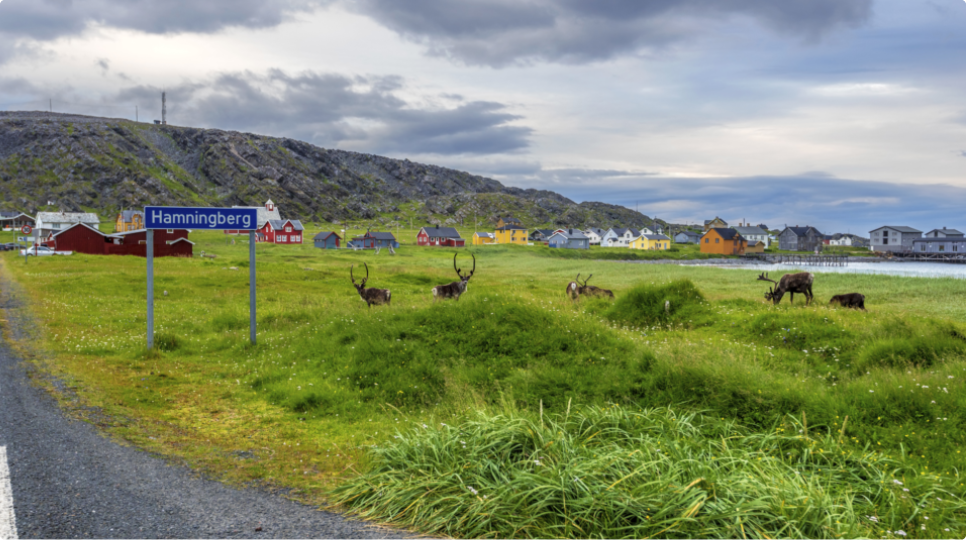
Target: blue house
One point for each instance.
(373, 240)
(569, 239)
(327, 240)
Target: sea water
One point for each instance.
(906, 269)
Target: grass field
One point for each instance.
(715, 414)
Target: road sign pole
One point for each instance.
(251, 282)
(150, 246)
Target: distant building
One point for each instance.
(82, 238)
(723, 241)
(569, 239)
(266, 213)
(129, 220)
(281, 231)
(439, 236)
(687, 237)
(714, 223)
(754, 234)
(508, 221)
(511, 234)
(594, 234)
(49, 222)
(620, 237)
(327, 240)
(483, 238)
(943, 233)
(800, 239)
(951, 245)
(893, 238)
(373, 240)
(653, 242)
(541, 235)
(754, 246)
(15, 220)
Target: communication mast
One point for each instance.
(164, 108)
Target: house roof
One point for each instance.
(324, 234)
(485, 234)
(707, 221)
(655, 237)
(689, 233)
(725, 233)
(136, 231)
(902, 229)
(953, 239)
(620, 231)
(572, 234)
(279, 224)
(545, 232)
(511, 228)
(749, 230)
(441, 232)
(12, 215)
(595, 230)
(67, 217)
(381, 235)
(948, 232)
(62, 231)
(127, 216)
(169, 242)
(264, 216)
(802, 231)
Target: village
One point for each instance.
(80, 232)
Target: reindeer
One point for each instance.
(372, 297)
(790, 283)
(575, 289)
(456, 288)
(852, 300)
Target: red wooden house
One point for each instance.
(82, 238)
(439, 236)
(281, 231)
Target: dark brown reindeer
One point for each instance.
(791, 284)
(372, 297)
(576, 289)
(851, 300)
(456, 288)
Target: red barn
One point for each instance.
(281, 231)
(81, 238)
(439, 236)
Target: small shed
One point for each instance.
(755, 246)
(569, 239)
(541, 235)
(327, 240)
(373, 240)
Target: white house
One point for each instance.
(620, 237)
(595, 235)
(266, 213)
(893, 238)
(52, 222)
(754, 233)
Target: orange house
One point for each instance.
(723, 241)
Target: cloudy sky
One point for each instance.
(842, 114)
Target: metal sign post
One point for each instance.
(176, 217)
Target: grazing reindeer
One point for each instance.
(576, 289)
(852, 300)
(456, 288)
(790, 283)
(372, 297)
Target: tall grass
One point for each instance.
(619, 472)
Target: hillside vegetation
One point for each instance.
(74, 163)
(686, 407)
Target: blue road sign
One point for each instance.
(176, 217)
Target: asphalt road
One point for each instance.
(70, 482)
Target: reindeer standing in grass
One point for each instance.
(791, 284)
(372, 297)
(456, 288)
(575, 289)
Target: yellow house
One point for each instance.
(483, 238)
(129, 220)
(511, 235)
(657, 242)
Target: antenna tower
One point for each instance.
(164, 108)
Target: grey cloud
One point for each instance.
(820, 200)
(361, 113)
(500, 32)
(50, 19)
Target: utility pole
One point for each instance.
(136, 113)
(164, 108)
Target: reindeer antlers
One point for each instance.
(459, 270)
(364, 280)
(764, 277)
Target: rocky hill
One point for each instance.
(73, 163)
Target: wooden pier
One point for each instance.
(911, 256)
(800, 260)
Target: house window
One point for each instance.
(885, 241)
(170, 231)
(922, 247)
(955, 247)
(707, 240)
(717, 240)
(288, 229)
(942, 247)
(282, 238)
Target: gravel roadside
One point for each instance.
(70, 482)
